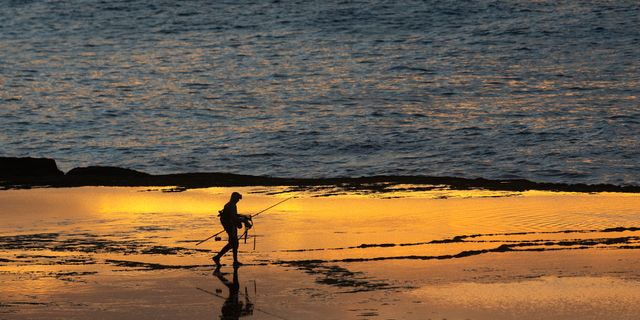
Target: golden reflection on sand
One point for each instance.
(467, 253)
(567, 297)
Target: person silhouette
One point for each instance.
(233, 308)
(231, 221)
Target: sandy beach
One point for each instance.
(130, 253)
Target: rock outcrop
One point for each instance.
(11, 167)
(105, 171)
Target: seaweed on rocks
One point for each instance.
(338, 276)
(87, 243)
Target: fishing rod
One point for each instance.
(246, 231)
(256, 214)
(250, 217)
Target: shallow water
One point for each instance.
(543, 90)
(130, 253)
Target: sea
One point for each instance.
(545, 90)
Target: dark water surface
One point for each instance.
(543, 90)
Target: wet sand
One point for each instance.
(408, 253)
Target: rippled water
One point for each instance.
(544, 90)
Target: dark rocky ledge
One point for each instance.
(28, 168)
(29, 172)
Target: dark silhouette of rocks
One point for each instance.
(105, 176)
(28, 167)
(102, 171)
(23, 177)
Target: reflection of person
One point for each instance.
(231, 221)
(233, 308)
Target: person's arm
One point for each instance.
(235, 216)
(243, 219)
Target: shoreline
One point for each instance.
(26, 173)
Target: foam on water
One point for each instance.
(542, 90)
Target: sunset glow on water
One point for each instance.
(542, 90)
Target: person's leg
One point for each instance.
(224, 250)
(232, 235)
(235, 255)
(217, 257)
(234, 245)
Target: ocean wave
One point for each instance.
(336, 87)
